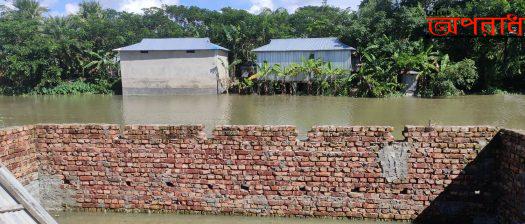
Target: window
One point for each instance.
(190, 51)
(312, 56)
(144, 52)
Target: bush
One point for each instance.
(463, 74)
(494, 91)
(76, 87)
(448, 79)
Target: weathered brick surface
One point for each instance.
(511, 207)
(242, 169)
(451, 171)
(248, 169)
(17, 152)
(265, 170)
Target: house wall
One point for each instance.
(339, 59)
(223, 69)
(171, 72)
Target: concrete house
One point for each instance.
(173, 66)
(287, 51)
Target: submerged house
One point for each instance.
(173, 66)
(409, 79)
(287, 51)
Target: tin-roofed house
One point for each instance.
(287, 51)
(173, 66)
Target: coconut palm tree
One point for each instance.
(90, 9)
(29, 9)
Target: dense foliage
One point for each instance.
(73, 54)
(316, 77)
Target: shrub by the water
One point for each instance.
(448, 79)
(494, 91)
(76, 87)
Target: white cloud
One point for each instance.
(7, 4)
(292, 5)
(353, 4)
(48, 3)
(71, 8)
(136, 6)
(259, 5)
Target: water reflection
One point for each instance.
(302, 111)
(19, 110)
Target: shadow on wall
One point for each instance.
(471, 197)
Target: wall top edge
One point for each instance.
(316, 128)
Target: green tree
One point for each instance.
(28, 9)
(42, 53)
(445, 78)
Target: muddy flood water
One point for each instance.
(112, 218)
(301, 111)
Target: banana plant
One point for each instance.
(263, 71)
(292, 71)
(418, 62)
(280, 73)
(312, 69)
(330, 74)
(283, 73)
(376, 78)
(102, 63)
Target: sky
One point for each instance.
(64, 7)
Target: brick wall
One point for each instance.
(17, 152)
(512, 172)
(452, 171)
(436, 173)
(262, 170)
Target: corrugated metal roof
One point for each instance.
(173, 44)
(17, 217)
(304, 44)
(10, 215)
(16, 204)
(6, 199)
